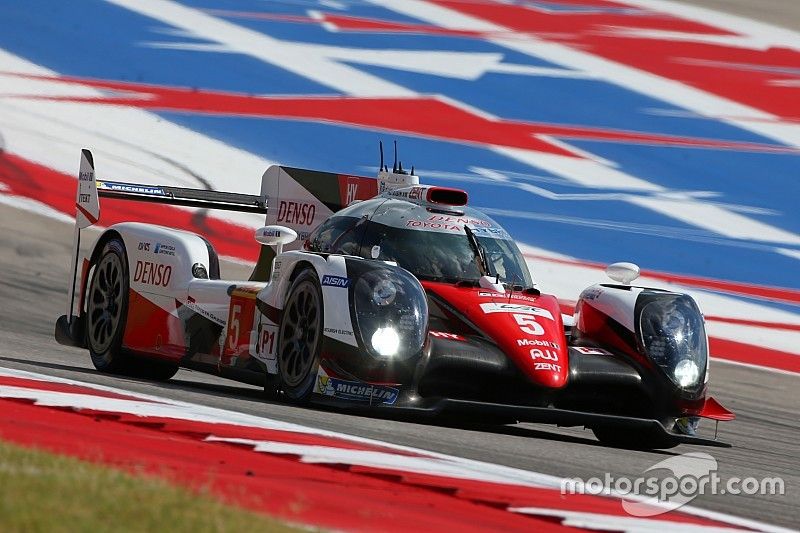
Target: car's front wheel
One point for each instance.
(300, 338)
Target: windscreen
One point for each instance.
(448, 257)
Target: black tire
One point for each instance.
(106, 316)
(633, 439)
(300, 338)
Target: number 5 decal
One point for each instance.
(528, 325)
(233, 324)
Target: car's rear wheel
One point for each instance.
(106, 316)
(300, 337)
(633, 439)
(106, 309)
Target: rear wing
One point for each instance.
(228, 201)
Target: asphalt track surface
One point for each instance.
(34, 257)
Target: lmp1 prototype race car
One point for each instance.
(396, 297)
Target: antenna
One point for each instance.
(412, 170)
(394, 165)
(380, 145)
(400, 168)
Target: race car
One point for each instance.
(396, 297)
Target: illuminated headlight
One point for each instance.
(673, 336)
(686, 373)
(386, 341)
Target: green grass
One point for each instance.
(40, 491)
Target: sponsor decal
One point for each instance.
(137, 189)
(496, 307)
(356, 391)
(547, 355)
(415, 193)
(351, 192)
(164, 249)
(265, 347)
(296, 213)
(537, 342)
(592, 351)
(192, 304)
(144, 246)
(447, 335)
(270, 232)
(459, 220)
(398, 194)
(495, 233)
(424, 224)
(84, 198)
(335, 281)
(335, 331)
(547, 366)
(149, 273)
(515, 296)
(86, 176)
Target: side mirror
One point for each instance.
(623, 272)
(275, 235)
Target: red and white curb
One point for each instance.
(307, 475)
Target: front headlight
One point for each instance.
(390, 309)
(386, 341)
(672, 334)
(686, 373)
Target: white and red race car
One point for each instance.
(396, 296)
